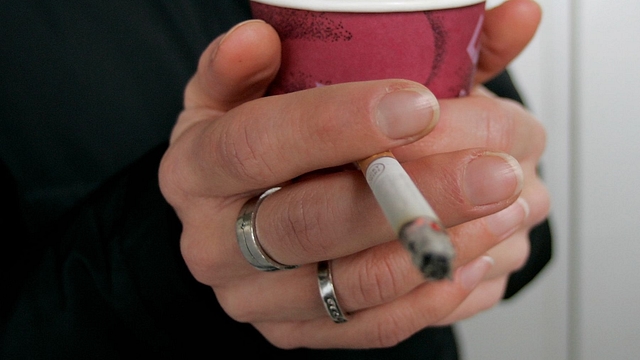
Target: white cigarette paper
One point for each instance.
(398, 196)
(412, 218)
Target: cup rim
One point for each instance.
(369, 5)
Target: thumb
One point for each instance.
(507, 30)
(236, 67)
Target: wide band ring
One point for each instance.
(247, 236)
(328, 294)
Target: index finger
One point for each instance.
(272, 140)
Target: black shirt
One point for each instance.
(89, 93)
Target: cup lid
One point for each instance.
(369, 5)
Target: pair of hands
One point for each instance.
(477, 167)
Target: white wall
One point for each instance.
(581, 77)
(608, 206)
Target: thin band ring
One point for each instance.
(328, 294)
(247, 236)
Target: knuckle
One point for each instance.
(281, 340)
(302, 229)
(170, 180)
(283, 335)
(233, 300)
(498, 122)
(520, 250)
(540, 204)
(521, 260)
(448, 178)
(298, 227)
(523, 125)
(244, 155)
(540, 133)
(390, 331)
(199, 258)
(232, 307)
(506, 122)
(379, 280)
(495, 291)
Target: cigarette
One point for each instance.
(414, 221)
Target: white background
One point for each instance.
(580, 77)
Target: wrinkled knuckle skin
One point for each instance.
(306, 230)
(496, 123)
(506, 123)
(379, 281)
(524, 124)
(442, 182)
(303, 225)
(245, 154)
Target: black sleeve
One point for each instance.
(110, 282)
(540, 236)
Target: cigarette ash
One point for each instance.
(430, 247)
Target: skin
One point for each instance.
(474, 158)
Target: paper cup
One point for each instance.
(324, 42)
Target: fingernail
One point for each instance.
(472, 273)
(230, 31)
(407, 112)
(506, 221)
(239, 25)
(491, 178)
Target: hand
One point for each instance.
(230, 144)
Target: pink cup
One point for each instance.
(324, 42)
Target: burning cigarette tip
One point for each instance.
(430, 247)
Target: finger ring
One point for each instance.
(248, 237)
(328, 294)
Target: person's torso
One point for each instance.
(89, 87)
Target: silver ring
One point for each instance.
(328, 294)
(247, 236)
